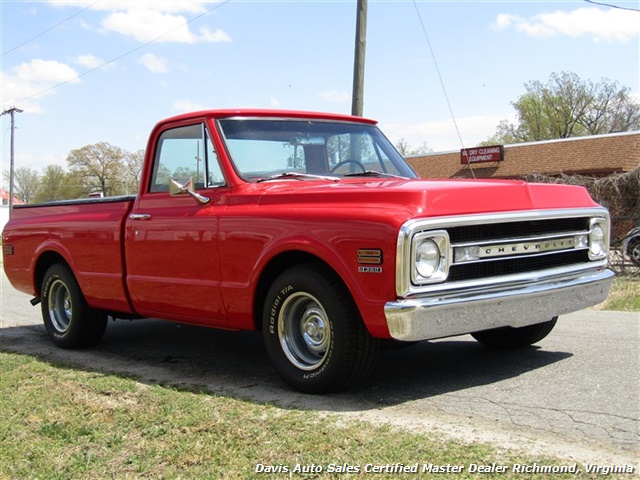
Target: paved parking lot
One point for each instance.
(576, 394)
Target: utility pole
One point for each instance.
(358, 61)
(11, 111)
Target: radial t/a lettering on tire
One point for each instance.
(313, 332)
(69, 321)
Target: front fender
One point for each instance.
(370, 287)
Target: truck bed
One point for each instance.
(91, 242)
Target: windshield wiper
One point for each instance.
(297, 176)
(372, 173)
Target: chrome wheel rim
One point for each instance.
(60, 307)
(635, 253)
(304, 331)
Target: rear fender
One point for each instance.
(48, 253)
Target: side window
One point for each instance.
(181, 154)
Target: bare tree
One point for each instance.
(26, 183)
(405, 149)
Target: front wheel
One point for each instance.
(313, 332)
(509, 337)
(69, 321)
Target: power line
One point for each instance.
(612, 6)
(48, 30)
(140, 47)
(444, 89)
(435, 62)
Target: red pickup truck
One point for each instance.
(312, 229)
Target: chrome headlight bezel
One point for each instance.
(430, 257)
(598, 238)
(408, 284)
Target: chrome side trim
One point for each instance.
(445, 315)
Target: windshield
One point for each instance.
(302, 149)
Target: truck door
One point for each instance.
(171, 241)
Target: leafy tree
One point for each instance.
(99, 168)
(133, 170)
(26, 183)
(567, 106)
(56, 184)
(163, 175)
(185, 172)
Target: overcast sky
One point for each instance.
(91, 71)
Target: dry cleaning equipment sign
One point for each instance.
(493, 153)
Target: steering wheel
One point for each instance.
(345, 162)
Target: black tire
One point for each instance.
(392, 345)
(509, 337)
(313, 331)
(69, 321)
(633, 250)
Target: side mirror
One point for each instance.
(184, 186)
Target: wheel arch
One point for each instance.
(278, 264)
(45, 260)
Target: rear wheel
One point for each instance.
(69, 321)
(313, 332)
(509, 337)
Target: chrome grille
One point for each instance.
(537, 228)
(501, 248)
(510, 233)
(510, 266)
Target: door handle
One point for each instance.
(139, 216)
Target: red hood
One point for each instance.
(425, 198)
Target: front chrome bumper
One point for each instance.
(458, 313)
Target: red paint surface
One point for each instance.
(201, 263)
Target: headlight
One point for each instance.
(598, 239)
(427, 258)
(431, 255)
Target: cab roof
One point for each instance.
(268, 113)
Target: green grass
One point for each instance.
(61, 423)
(624, 295)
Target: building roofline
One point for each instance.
(574, 139)
(541, 142)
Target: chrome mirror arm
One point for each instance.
(177, 188)
(201, 199)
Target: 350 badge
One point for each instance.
(370, 269)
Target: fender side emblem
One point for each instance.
(370, 256)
